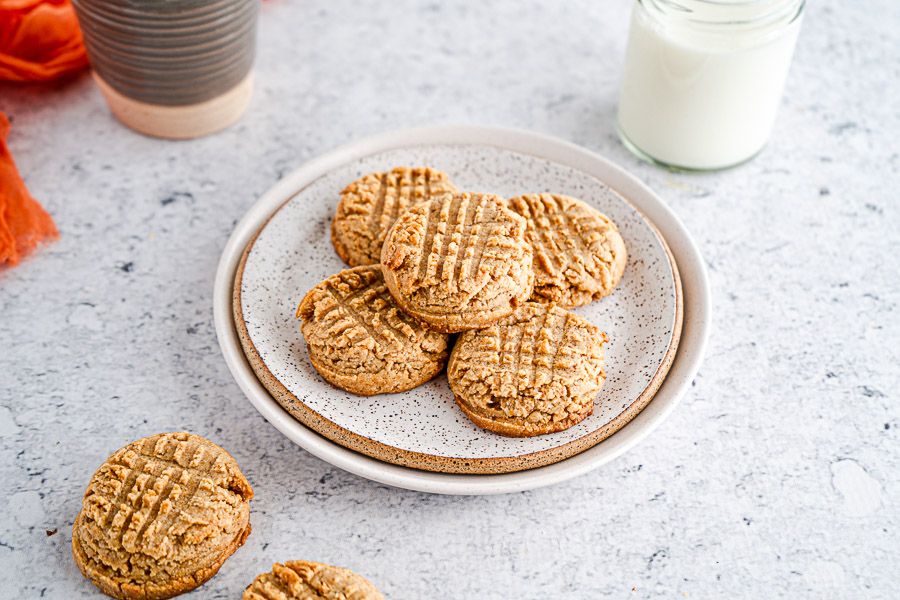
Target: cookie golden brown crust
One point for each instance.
(458, 262)
(536, 371)
(579, 255)
(360, 341)
(301, 580)
(160, 516)
(370, 205)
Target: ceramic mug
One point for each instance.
(172, 68)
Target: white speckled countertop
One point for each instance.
(777, 476)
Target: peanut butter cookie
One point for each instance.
(458, 262)
(536, 371)
(360, 341)
(301, 580)
(370, 205)
(579, 255)
(160, 516)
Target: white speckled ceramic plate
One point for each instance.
(424, 428)
(293, 252)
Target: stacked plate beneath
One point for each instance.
(656, 322)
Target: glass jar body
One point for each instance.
(703, 94)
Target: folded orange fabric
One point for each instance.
(39, 40)
(23, 222)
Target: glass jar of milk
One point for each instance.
(703, 78)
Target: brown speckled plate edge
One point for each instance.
(444, 464)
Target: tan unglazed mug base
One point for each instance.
(180, 122)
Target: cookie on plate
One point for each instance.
(458, 262)
(579, 255)
(160, 516)
(302, 580)
(360, 341)
(370, 205)
(536, 371)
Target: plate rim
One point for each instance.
(695, 305)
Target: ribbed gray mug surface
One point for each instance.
(170, 52)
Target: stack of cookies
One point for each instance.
(429, 261)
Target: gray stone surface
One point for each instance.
(776, 476)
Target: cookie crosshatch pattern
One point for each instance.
(359, 340)
(534, 372)
(579, 256)
(370, 205)
(161, 516)
(303, 580)
(458, 262)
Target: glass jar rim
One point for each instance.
(742, 14)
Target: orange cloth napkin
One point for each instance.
(23, 221)
(39, 41)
